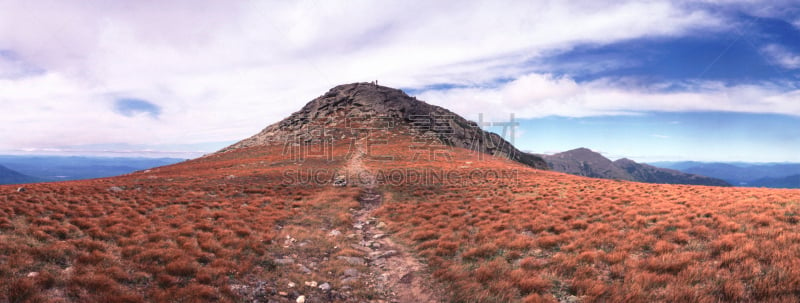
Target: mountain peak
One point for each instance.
(366, 94)
(580, 151)
(625, 162)
(347, 111)
(585, 162)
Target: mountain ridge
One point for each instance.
(587, 163)
(48, 168)
(792, 181)
(741, 173)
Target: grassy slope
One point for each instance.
(545, 236)
(213, 228)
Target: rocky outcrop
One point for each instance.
(352, 109)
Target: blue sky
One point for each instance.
(130, 107)
(705, 80)
(703, 136)
(735, 57)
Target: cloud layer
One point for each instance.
(540, 95)
(220, 71)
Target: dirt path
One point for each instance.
(397, 275)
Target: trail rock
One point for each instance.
(115, 189)
(361, 247)
(284, 261)
(383, 254)
(304, 269)
(351, 272)
(352, 260)
(325, 286)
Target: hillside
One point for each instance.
(8, 176)
(368, 219)
(585, 162)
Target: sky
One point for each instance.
(714, 80)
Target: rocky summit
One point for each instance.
(351, 110)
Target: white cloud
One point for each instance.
(224, 70)
(541, 95)
(781, 56)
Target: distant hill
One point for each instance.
(777, 175)
(8, 176)
(585, 162)
(60, 168)
(652, 174)
(792, 181)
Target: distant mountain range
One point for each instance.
(792, 181)
(775, 175)
(585, 162)
(8, 176)
(28, 169)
